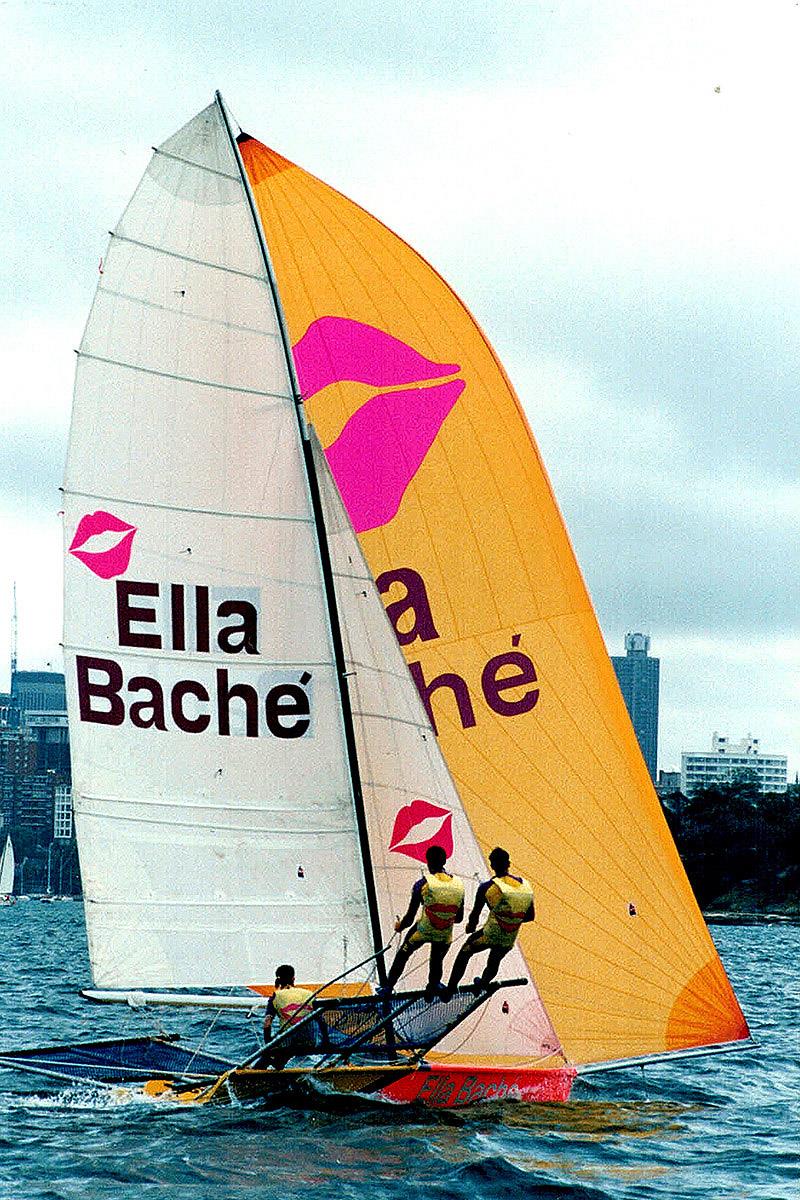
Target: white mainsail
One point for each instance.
(7, 869)
(410, 798)
(213, 802)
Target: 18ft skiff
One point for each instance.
(258, 769)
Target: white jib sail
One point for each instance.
(7, 869)
(213, 806)
(410, 799)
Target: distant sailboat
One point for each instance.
(7, 873)
(256, 775)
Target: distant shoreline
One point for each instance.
(751, 918)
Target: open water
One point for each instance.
(716, 1128)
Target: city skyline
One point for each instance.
(627, 244)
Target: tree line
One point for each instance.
(740, 848)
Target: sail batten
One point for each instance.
(200, 166)
(199, 262)
(172, 375)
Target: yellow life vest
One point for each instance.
(291, 1004)
(509, 900)
(442, 897)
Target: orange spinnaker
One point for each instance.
(462, 532)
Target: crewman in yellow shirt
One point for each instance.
(509, 899)
(441, 897)
(290, 1005)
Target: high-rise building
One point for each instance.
(62, 819)
(638, 675)
(36, 692)
(727, 761)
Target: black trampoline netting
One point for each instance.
(377, 1027)
(127, 1060)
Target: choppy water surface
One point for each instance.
(717, 1128)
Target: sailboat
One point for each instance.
(7, 873)
(297, 656)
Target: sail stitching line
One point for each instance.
(210, 827)
(212, 659)
(668, 899)
(200, 262)
(206, 805)
(207, 512)
(198, 318)
(635, 854)
(225, 387)
(188, 162)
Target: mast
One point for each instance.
(325, 562)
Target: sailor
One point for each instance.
(289, 1004)
(441, 897)
(509, 899)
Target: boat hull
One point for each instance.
(431, 1085)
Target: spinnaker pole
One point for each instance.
(334, 623)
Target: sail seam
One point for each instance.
(210, 659)
(206, 512)
(225, 387)
(188, 162)
(265, 904)
(96, 797)
(199, 262)
(191, 316)
(207, 827)
(377, 716)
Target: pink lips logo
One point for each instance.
(420, 825)
(95, 531)
(383, 445)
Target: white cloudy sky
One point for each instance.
(613, 189)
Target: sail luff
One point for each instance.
(348, 728)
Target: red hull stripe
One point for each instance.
(454, 1087)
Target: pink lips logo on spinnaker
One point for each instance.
(384, 444)
(103, 543)
(420, 825)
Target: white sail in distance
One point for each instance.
(7, 868)
(213, 801)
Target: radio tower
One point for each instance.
(14, 635)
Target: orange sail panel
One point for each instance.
(443, 482)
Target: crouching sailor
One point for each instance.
(509, 899)
(290, 1005)
(441, 897)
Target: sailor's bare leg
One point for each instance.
(400, 959)
(438, 951)
(471, 946)
(496, 956)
